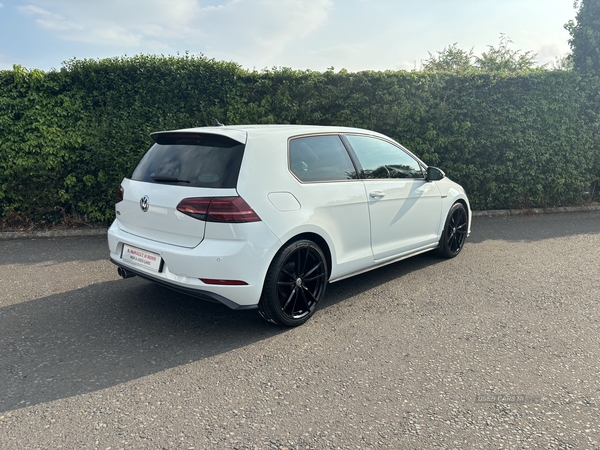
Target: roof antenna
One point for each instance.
(218, 124)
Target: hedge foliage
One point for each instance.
(68, 137)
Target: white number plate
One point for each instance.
(142, 258)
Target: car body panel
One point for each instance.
(405, 216)
(336, 211)
(237, 251)
(161, 221)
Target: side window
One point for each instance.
(320, 158)
(380, 159)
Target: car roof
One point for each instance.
(241, 133)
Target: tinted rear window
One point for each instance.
(198, 160)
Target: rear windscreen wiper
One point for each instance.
(161, 179)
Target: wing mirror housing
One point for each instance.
(434, 174)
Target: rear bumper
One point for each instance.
(242, 252)
(204, 295)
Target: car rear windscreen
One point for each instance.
(197, 160)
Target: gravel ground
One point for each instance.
(497, 348)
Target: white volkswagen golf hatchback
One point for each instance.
(266, 216)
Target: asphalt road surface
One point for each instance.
(497, 348)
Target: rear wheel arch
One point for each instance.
(317, 239)
(295, 283)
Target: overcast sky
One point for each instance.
(301, 34)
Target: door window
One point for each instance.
(381, 159)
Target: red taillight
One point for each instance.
(218, 209)
(120, 194)
(223, 282)
(194, 207)
(231, 209)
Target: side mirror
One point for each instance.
(434, 174)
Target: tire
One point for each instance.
(294, 285)
(454, 232)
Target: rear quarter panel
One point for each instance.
(336, 211)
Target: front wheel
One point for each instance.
(455, 231)
(294, 285)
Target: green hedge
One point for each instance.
(68, 137)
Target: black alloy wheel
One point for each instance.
(455, 231)
(294, 285)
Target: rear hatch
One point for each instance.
(180, 165)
